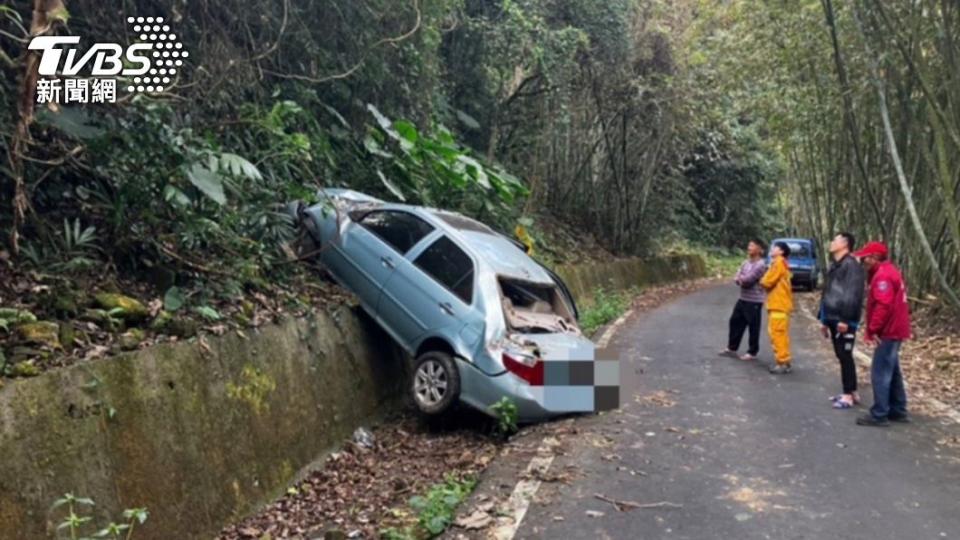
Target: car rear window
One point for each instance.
(399, 229)
(445, 262)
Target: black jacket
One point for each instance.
(843, 292)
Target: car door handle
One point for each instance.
(388, 262)
(447, 308)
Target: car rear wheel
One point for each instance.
(435, 387)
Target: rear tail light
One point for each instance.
(525, 366)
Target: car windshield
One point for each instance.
(799, 250)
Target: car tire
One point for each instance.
(435, 383)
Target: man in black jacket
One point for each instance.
(840, 309)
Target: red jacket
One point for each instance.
(888, 315)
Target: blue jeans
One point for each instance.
(889, 394)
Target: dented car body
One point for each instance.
(477, 314)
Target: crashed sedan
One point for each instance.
(481, 319)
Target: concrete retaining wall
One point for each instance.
(203, 437)
(197, 437)
(583, 280)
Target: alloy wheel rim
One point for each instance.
(430, 383)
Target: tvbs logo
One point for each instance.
(149, 65)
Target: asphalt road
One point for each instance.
(747, 454)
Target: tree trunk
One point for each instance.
(905, 188)
(47, 14)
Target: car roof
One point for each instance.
(497, 252)
(787, 239)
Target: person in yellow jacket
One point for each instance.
(779, 306)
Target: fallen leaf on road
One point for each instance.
(659, 398)
(595, 514)
(623, 506)
(477, 520)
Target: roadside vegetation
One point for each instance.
(575, 126)
(604, 308)
(433, 511)
(78, 524)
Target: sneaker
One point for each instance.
(728, 353)
(904, 419)
(869, 420)
(781, 369)
(748, 357)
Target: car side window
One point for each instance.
(399, 229)
(445, 262)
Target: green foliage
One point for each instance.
(606, 307)
(434, 510)
(11, 316)
(73, 250)
(208, 313)
(722, 264)
(174, 299)
(507, 415)
(611, 119)
(431, 168)
(732, 189)
(75, 522)
(437, 508)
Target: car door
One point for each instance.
(372, 246)
(431, 293)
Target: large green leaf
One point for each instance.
(385, 124)
(208, 182)
(476, 170)
(374, 147)
(239, 166)
(174, 299)
(391, 186)
(73, 121)
(172, 193)
(468, 121)
(408, 135)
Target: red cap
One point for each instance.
(876, 249)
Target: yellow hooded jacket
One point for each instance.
(777, 283)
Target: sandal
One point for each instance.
(841, 404)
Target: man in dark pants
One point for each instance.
(840, 308)
(888, 320)
(749, 309)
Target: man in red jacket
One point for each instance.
(888, 320)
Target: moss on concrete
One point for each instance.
(130, 309)
(181, 444)
(178, 443)
(39, 333)
(253, 389)
(584, 280)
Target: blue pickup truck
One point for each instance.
(804, 261)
